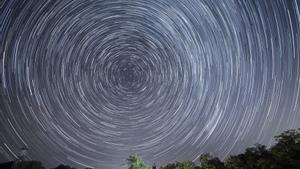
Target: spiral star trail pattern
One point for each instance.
(87, 83)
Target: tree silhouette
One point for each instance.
(63, 167)
(285, 154)
(134, 162)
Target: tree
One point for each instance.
(179, 165)
(188, 165)
(176, 165)
(255, 157)
(63, 167)
(134, 162)
(286, 152)
(29, 165)
(209, 162)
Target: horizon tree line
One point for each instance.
(284, 154)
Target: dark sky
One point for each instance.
(87, 82)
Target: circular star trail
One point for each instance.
(87, 82)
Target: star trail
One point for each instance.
(89, 82)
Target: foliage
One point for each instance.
(29, 165)
(285, 154)
(134, 162)
(209, 162)
(188, 165)
(255, 157)
(63, 167)
(178, 165)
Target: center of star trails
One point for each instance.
(128, 74)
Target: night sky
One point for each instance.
(89, 82)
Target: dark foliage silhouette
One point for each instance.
(284, 154)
